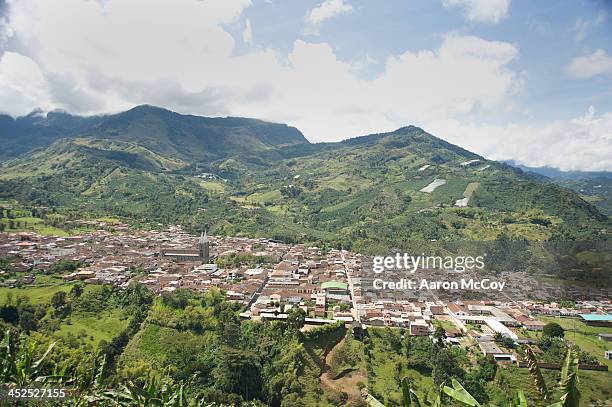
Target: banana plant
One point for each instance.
(155, 390)
(570, 396)
(410, 397)
(460, 394)
(457, 393)
(17, 364)
(534, 371)
(568, 384)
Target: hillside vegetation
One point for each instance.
(133, 348)
(247, 177)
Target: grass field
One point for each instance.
(585, 336)
(263, 197)
(37, 295)
(109, 219)
(447, 325)
(470, 189)
(31, 224)
(212, 186)
(94, 328)
(87, 328)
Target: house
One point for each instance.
(419, 328)
(597, 319)
(457, 310)
(436, 309)
(490, 348)
(606, 337)
(533, 325)
(85, 274)
(335, 287)
(320, 305)
(608, 354)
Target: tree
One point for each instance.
(440, 334)
(27, 322)
(229, 327)
(553, 330)
(238, 371)
(58, 300)
(487, 368)
(9, 314)
(507, 342)
(177, 299)
(76, 290)
(446, 367)
(296, 317)
(64, 265)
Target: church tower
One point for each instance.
(203, 248)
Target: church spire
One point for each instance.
(203, 247)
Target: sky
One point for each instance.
(529, 81)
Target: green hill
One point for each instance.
(248, 177)
(162, 131)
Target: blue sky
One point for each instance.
(546, 31)
(524, 80)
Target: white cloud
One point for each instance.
(325, 11)
(581, 27)
(587, 66)
(601, 18)
(583, 143)
(120, 53)
(181, 58)
(5, 31)
(247, 34)
(23, 86)
(129, 41)
(483, 11)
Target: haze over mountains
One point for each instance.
(246, 176)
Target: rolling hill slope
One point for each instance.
(244, 176)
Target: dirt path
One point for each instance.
(347, 383)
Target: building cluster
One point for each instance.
(270, 278)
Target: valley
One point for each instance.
(100, 259)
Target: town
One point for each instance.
(270, 278)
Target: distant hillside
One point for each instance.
(162, 131)
(556, 173)
(594, 186)
(248, 177)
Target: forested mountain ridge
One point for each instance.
(593, 186)
(248, 177)
(165, 132)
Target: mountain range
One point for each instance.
(249, 177)
(593, 186)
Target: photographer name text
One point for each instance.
(484, 284)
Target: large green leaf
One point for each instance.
(410, 397)
(519, 400)
(570, 365)
(460, 394)
(534, 370)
